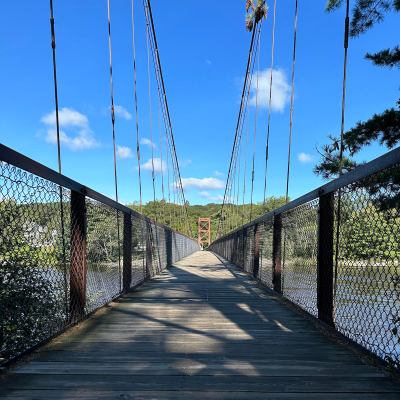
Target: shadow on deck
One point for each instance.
(199, 330)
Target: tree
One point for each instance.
(256, 11)
(32, 301)
(383, 127)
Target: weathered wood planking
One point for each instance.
(197, 331)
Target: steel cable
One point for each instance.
(113, 131)
(62, 226)
(292, 100)
(270, 102)
(136, 105)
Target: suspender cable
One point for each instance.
(53, 46)
(244, 174)
(112, 99)
(341, 149)
(346, 46)
(292, 101)
(169, 187)
(136, 106)
(160, 139)
(113, 132)
(238, 187)
(255, 124)
(270, 101)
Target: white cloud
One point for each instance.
(280, 89)
(209, 196)
(203, 183)
(305, 158)
(218, 173)
(122, 112)
(208, 62)
(75, 131)
(124, 152)
(159, 166)
(147, 142)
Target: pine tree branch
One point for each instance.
(386, 58)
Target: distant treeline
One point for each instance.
(172, 214)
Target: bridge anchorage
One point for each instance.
(282, 299)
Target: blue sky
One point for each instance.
(203, 48)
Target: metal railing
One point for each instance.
(335, 253)
(66, 250)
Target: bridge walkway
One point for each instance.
(200, 330)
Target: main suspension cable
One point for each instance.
(163, 98)
(243, 114)
(255, 124)
(237, 130)
(150, 111)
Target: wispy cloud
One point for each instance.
(304, 158)
(206, 195)
(122, 112)
(185, 163)
(124, 152)
(208, 62)
(147, 142)
(75, 132)
(280, 89)
(203, 183)
(159, 166)
(218, 173)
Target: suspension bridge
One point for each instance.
(99, 301)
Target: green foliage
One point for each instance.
(31, 300)
(255, 13)
(102, 233)
(366, 13)
(386, 58)
(383, 127)
(171, 214)
(368, 233)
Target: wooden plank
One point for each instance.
(93, 394)
(201, 330)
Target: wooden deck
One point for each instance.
(198, 331)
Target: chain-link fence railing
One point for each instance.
(335, 252)
(66, 250)
(299, 255)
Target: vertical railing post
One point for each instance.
(256, 256)
(78, 271)
(149, 249)
(325, 258)
(127, 253)
(277, 253)
(168, 245)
